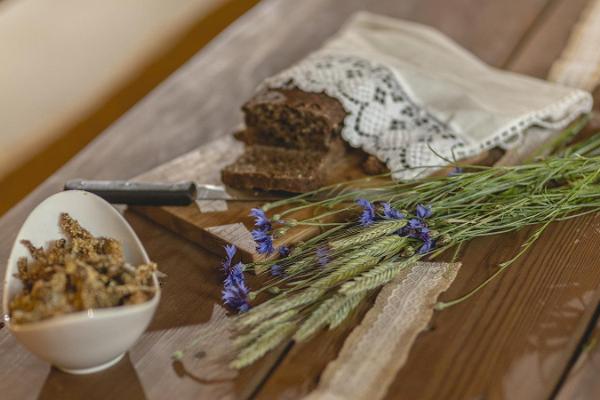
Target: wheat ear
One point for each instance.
(262, 328)
(337, 306)
(345, 309)
(369, 234)
(360, 260)
(263, 344)
(378, 276)
(276, 306)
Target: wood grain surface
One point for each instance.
(518, 339)
(214, 223)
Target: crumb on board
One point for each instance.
(78, 273)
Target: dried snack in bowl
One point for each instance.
(78, 273)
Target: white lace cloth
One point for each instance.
(415, 99)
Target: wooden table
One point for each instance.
(528, 335)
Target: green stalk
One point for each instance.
(485, 201)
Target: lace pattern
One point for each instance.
(385, 121)
(379, 346)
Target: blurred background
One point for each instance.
(69, 68)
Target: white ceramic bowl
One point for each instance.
(92, 340)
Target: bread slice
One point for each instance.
(276, 168)
(293, 119)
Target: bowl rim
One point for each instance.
(84, 315)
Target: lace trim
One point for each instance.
(379, 346)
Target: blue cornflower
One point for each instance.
(265, 247)
(259, 235)
(423, 211)
(235, 292)
(235, 276)
(428, 244)
(230, 251)
(367, 217)
(423, 232)
(284, 251)
(261, 221)
(415, 223)
(390, 212)
(456, 171)
(416, 228)
(276, 270)
(263, 240)
(236, 297)
(412, 227)
(322, 256)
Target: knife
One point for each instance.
(161, 193)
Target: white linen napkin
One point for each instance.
(418, 101)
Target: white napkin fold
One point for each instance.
(418, 101)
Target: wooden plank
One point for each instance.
(200, 103)
(531, 321)
(547, 38)
(191, 291)
(442, 355)
(212, 224)
(190, 114)
(581, 378)
(197, 104)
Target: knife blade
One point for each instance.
(161, 193)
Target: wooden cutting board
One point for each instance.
(212, 224)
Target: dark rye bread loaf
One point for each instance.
(292, 118)
(277, 168)
(291, 139)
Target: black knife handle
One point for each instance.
(138, 193)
